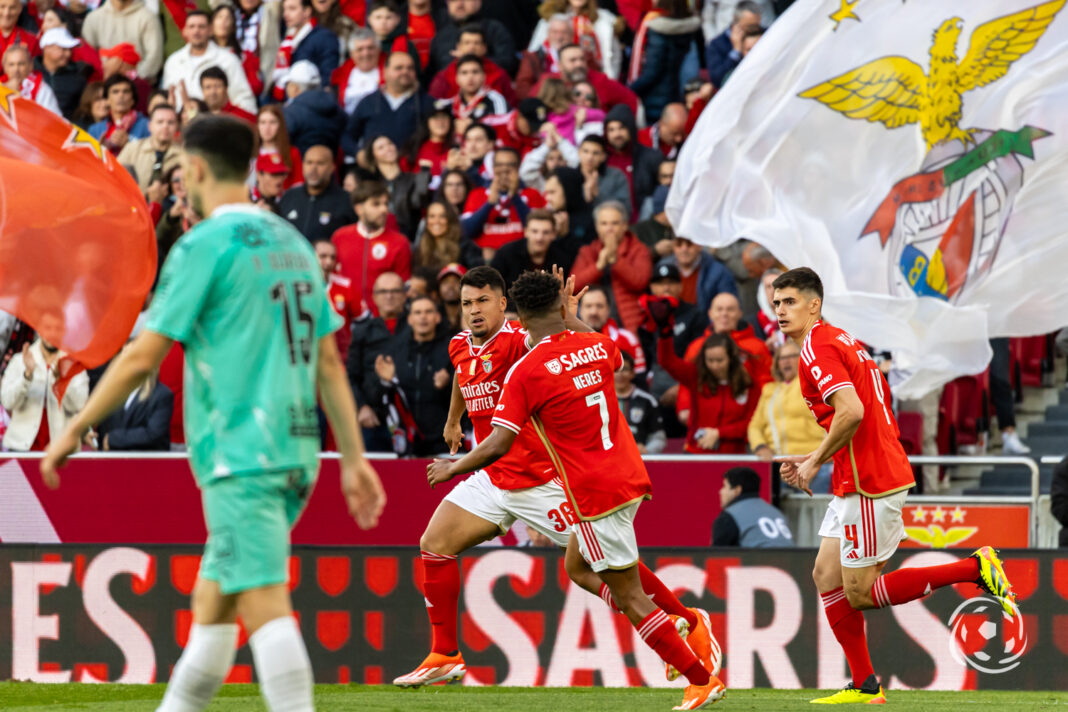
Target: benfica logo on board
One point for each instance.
(940, 228)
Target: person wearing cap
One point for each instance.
(123, 59)
(361, 73)
(538, 250)
(21, 77)
(10, 33)
(271, 174)
(472, 41)
(186, 65)
(394, 110)
(151, 157)
(215, 86)
(369, 248)
(688, 323)
(655, 232)
(448, 286)
(304, 40)
(118, 21)
(67, 79)
(313, 116)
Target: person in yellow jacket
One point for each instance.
(782, 424)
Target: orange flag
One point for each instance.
(77, 244)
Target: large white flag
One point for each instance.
(915, 154)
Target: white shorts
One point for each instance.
(543, 508)
(869, 529)
(609, 542)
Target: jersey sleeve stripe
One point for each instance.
(837, 387)
(497, 420)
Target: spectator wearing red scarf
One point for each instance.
(124, 122)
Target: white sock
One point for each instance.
(282, 666)
(204, 664)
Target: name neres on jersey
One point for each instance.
(585, 380)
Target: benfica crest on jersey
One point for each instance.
(554, 367)
(487, 364)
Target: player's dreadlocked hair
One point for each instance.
(535, 293)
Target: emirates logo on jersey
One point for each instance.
(554, 367)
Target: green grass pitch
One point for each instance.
(383, 698)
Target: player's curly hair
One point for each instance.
(535, 293)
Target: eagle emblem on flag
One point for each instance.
(941, 227)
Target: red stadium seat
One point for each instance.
(1031, 359)
(964, 412)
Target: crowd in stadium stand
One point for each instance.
(411, 141)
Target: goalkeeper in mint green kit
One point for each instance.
(243, 292)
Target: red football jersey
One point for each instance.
(873, 463)
(480, 371)
(564, 386)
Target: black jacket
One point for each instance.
(374, 116)
(513, 258)
(317, 216)
(499, 43)
(646, 160)
(67, 83)
(144, 425)
(315, 118)
(416, 363)
(1058, 489)
(369, 339)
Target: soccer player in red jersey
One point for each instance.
(563, 389)
(849, 397)
(522, 485)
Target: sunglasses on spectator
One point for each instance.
(582, 95)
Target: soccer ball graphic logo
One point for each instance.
(985, 638)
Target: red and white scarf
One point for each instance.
(552, 59)
(638, 53)
(31, 85)
(248, 30)
(584, 36)
(464, 110)
(289, 45)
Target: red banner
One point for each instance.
(946, 525)
(109, 500)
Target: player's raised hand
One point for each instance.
(438, 471)
(59, 449)
(454, 436)
(567, 290)
(363, 493)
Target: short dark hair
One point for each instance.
(116, 79)
(198, 13)
(744, 477)
(490, 133)
(535, 293)
(161, 107)
(226, 143)
(569, 45)
(214, 72)
(401, 52)
(470, 59)
(628, 360)
(543, 214)
(595, 138)
(379, 4)
(483, 276)
(367, 189)
(803, 279)
(421, 297)
(471, 28)
(506, 149)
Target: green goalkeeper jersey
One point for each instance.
(244, 294)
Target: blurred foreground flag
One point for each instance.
(915, 154)
(77, 246)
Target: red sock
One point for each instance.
(664, 598)
(906, 585)
(848, 626)
(659, 633)
(441, 586)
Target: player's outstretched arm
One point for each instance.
(129, 369)
(571, 300)
(488, 451)
(454, 434)
(359, 482)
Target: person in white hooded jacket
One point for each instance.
(26, 393)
